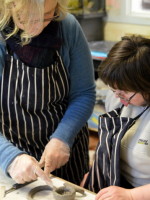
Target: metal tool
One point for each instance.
(16, 186)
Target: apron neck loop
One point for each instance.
(141, 113)
(138, 116)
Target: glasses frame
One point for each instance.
(45, 20)
(51, 18)
(119, 95)
(129, 99)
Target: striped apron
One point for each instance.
(105, 170)
(33, 102)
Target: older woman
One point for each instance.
(47, 91)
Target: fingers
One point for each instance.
(23, 179)
(22, 168)
(25, 168)
(49, 166)
(51, 163)
(50, 160)
(104, 197)
(41, 174)
(19, 180)
(24, 175)
(101, 193)
(34, 173)
(42, 160)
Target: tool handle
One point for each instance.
(18, 185)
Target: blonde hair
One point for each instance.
(9, 9)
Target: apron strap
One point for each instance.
(138, 116)
(141, 113)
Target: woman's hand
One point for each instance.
(114, 193)
(25, 168)
(55, 155)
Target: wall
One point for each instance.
(114, 31)
(126, 17)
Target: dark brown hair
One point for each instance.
(127, 66)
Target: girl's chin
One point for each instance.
(143, 104)
(124, 102)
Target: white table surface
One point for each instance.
(22, 193)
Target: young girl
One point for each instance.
(123, 153)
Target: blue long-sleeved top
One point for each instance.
(77, 60)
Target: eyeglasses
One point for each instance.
(51, 18)
(45, 20)
(127, 100)
(120, 96)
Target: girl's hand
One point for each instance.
(114, 193)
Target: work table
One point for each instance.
(22, 193)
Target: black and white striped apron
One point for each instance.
(105, 170)
(33, 101)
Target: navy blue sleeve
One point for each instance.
(77, 59)
(7, 150)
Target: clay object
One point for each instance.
(64, 193)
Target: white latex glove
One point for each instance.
(25, 168)
(55, 155)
